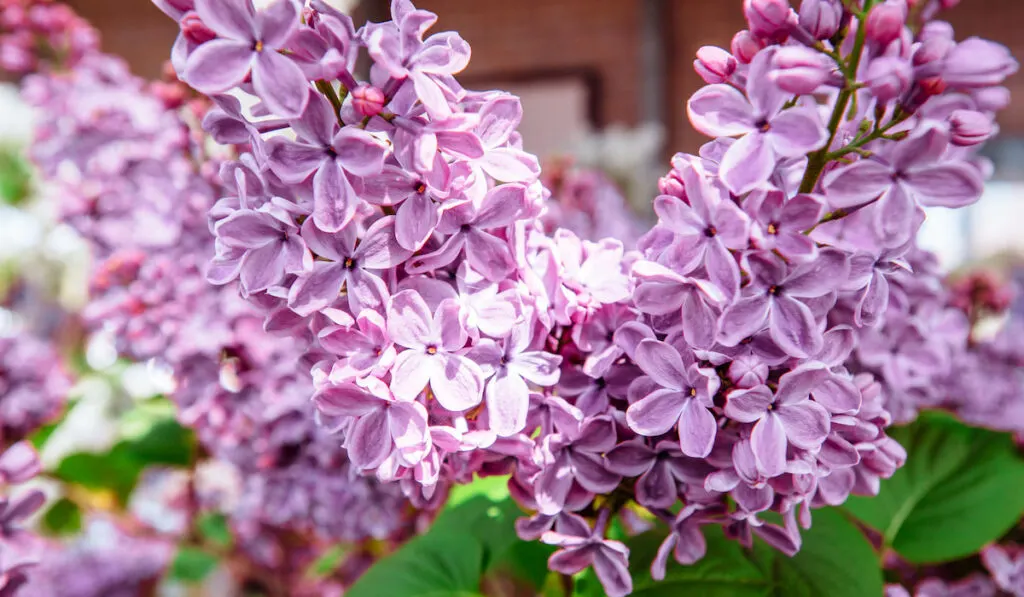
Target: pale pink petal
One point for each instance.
(748, 406)
(806, 423)
(279, 82)
(697, 429)
(218, 65)
(747, 163)
(409, 320)
(945, 185)
(857, 183)
(743, 319)
(797, 132)
(411, 373)
(458, 384)
(663, 363)
(416, 220)
(369, 441)
(793, 327)
(720, 111)
(768, 441)
(655, 414)
(235, 20)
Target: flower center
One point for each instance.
(774, 290)
(421, 188)
(258, 46)
(710, 232)
(764, 126)
(431, 350)
(350, 263)
(693, 392)
(773, 229)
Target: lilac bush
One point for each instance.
(359, 283)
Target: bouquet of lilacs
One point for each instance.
(736, 364)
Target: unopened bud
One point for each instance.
(800, 70)
(977, 62)
(888, 78)
(194, 30)
(821, 18)
(932, 50)
(714, 65)
(747, 372)
(368, 100)
(970, 128)
(768, 19)
(745, 46)
(992, 99)
(885, 22)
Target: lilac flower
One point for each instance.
(788, 417)
(468, 229)
(399, 48)
(260, 246)
(783, 223)
(705, 231)
(434, 343)
(507, 368)
(914, 173)
(659, 469)
(364, 345)
(772, 299)
(248, 41)
(350, 267)
(682, 400)
(685, 542)
(1007, 570)
(331, 154)
(769, 132)
(574, 459)
(499, 118)
(661, 291)
(382, 423)
(976, 62)
(580, 547)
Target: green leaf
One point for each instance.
(117, 471)
(835, 560)
(192, 565)
(328, 562)
(166, 442)
(960, 489)
(214, 529)
(64, 517)
(473, 537)
(15, 177)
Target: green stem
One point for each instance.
(819, 159)
(327, 89)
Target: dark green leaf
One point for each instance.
(166, 442)
(835, 560)
(64, 517)
(960, 489)
(192, 565)
(472, 537)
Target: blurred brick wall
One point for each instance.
(515, 39)
(134, 29)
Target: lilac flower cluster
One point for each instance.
(589, 203)
(40, 35)
(19, 548)
(1005, 567)
(105, 561)
(33, 386)
(737, 362)
(134, 180)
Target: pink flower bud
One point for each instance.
(885, 22)
(932, 49)
(768, 19)
(745, 46)
(821, 18)
(970, 128)
(798, 69)
(368, 100)
(888, 78)
(992, 99)
(977, 62)
(714, 65)
(194, 30)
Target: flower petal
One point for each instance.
(720, 111)
(806, 423)
(793, 328)
(655, 414)
(857, 183)
(797, 132)
(458, 384)
(768, 441)
(218, 65)
(369, 441)
(415, 221)
(662, 362)
(234, 20)
(279, 82)
(747, 163)
(945, 185)
(697, 429)
(743, 319)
